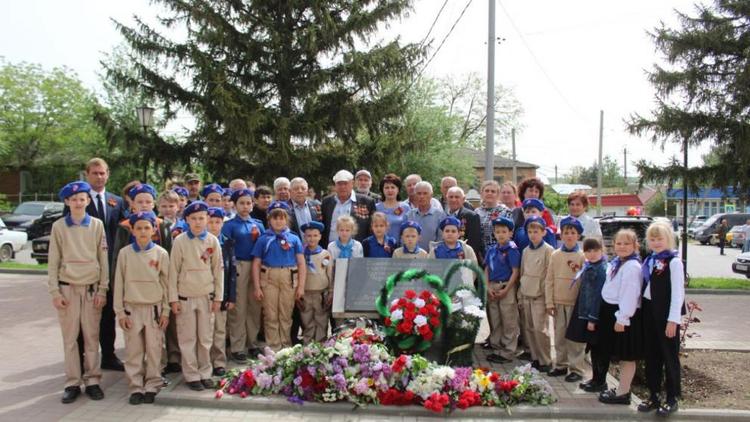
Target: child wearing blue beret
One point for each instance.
(410, 233)
(316, 303)
(533, 208)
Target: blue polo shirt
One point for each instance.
(278, 250)
(522, 239)
(245, 234)
(442, 251)
(500, 261)
(373, 249)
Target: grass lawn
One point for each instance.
(719, 283)
(19, 266)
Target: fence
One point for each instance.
(11, 200)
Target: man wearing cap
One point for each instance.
(194, 186)
(364, 183)
(426, 214)
(109, 209)
(471, 230)
(346, 201)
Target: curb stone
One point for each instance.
(728, 292)
(22, 271)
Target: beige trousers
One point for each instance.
(219, 345)
(536, 329)
(143, 348)
(80, 315)
(278, 286)
(503, 318)
(245, 318)
(195, 325)
(314, 316)
(569, 354)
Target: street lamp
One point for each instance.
(146, 120)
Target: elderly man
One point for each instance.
(194, 186)
(346, 201)
(281, 189)
(426, 214)
(303, 211)
(237, 184)
(472, 228)
(410, 182)
(446, 183)
(364, 184)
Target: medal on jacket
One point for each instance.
(398, 211)
(254, 233)
(461, 255)
(387, 248)
(154, 264)
(206, 254)
(284, 244)
(111, 202)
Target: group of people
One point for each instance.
(248, 265)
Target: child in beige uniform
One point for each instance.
(316, 303)
(410, 233)
(534, 263)
(141, 306)
(561, 292)
(78, 273)
(196, 289)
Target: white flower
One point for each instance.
(474, 311)
(419, 302)
(420, 320)
(397, 315)
(464, 293)
(394, 302)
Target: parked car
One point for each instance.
(704, 233)
(27, 213)
(42, 226)
(11, 242)
(736, 236)
(695, 225)
(612, 224)
(741, 264)
(40, 249)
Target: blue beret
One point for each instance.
(142, 188)
(212, 188)
(228, 192)
(216, 212)
(504, 221)
(534, 219)
(573, 222)
(276, 205)
(450, 221)
(73, 188)
(313, 225)
(533, 203)
(142, 215)
(239, 193)
(195, 206)
(410, 225)
(179, 226)
(179, 190)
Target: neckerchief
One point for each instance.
(407, 251)
(651, 260)
(138, 248)
(531, 245)
(501, 251)
(573, 249)
(346, 249)
(618, 262)
(282, 238)
(308, 256)
(442, 251)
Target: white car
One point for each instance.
(11, 242)
(741, 265)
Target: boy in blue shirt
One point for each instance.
(245, 318)
(219, 346)
(279, 273)
(502, 263)
(533, 207)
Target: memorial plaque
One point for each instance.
(358, 282)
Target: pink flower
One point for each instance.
(219, 394)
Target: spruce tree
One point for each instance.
(278, 87)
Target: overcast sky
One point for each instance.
(564, 60)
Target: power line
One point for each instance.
(433, 23)
(450, 31)
(539, 64)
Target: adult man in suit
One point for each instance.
(346, 201)
(302, 210)
(472, 228)
(110, 209)
(446, 183)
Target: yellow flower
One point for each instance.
(484, 381)
(370, 382)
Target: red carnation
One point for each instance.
(399, 364)
(409, 315)
(411, 306)
(402, 302)
(425, 295)
(494, 377)
(249, 379)
(387, 322)
(410, 294)
(307, 379)
(424, 311)
(434, 321)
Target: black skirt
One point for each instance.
(628, 345)
(577, 329)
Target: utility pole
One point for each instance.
(685, 209)
(489, 149)
(625, 164)
(515, 167)
(599, 173)
(555, 173)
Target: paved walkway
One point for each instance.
(31, 379)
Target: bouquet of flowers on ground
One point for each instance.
(467, 312)
(414, 320)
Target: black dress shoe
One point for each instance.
(544, 368)
(486, 345)
(195, 385)
(113, 363)
(94, 392)
(525, 356)
(149, 398)
(611, 397)
(496, 358)
(573, 377)
(70, 394)
(164, 381)
(207, 383)
(595, 388)
(239, 357)
(649, 405)
(667, 409)
(172, 368)
(558, 372)
(219, 372)
(136, 398)
(535, 364)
